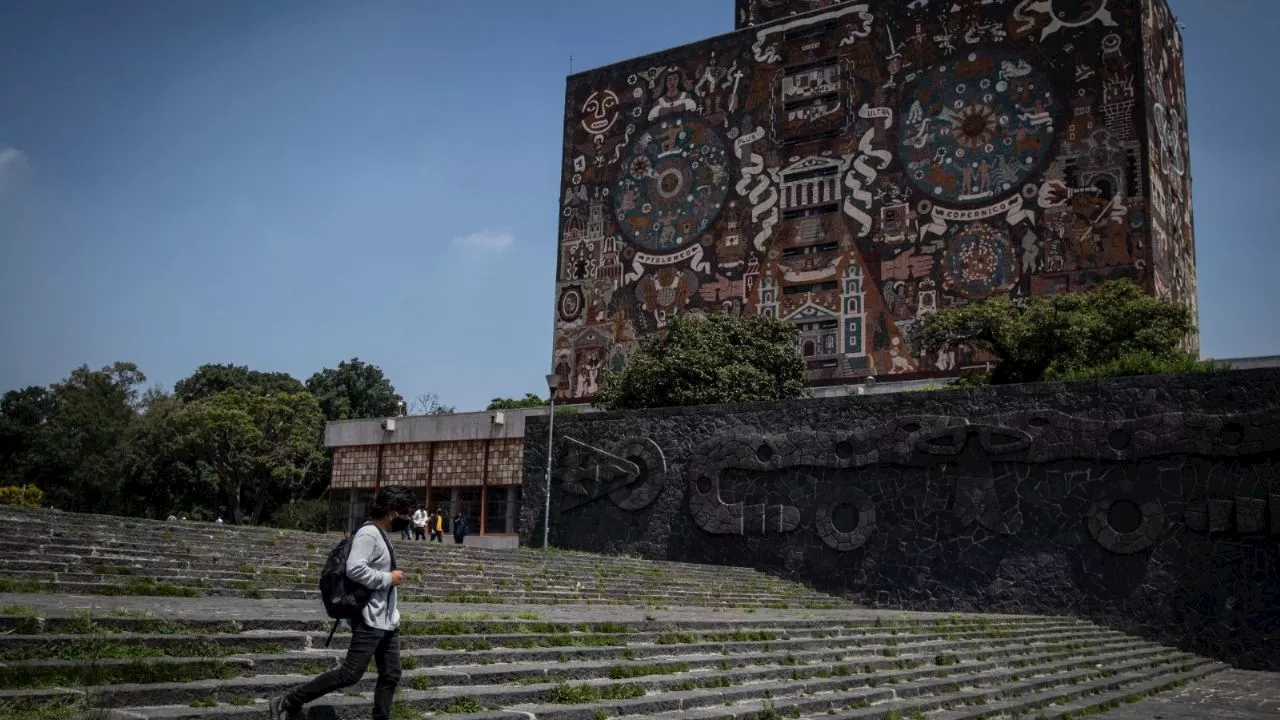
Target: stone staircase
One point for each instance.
(129, 655)
(101, 555)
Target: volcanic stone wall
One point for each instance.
(1151, 504)
(859, 166)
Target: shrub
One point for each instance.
(27, 496)
(308, 515)
(1117, 329)
(1142, 363)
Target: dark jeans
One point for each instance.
(437, 536)
(367, 644)
(419, 533)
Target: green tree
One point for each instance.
(163, 477)
(705, 360)
(260, 448)
(80, 454)
(1115, 330)
(355, 389)
(23, 414)
(530, 400)
(211, 379)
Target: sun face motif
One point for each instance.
(640, 167)
(975, 126)
(675, 182)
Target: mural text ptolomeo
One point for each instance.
(851, 167)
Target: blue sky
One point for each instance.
(287, 184)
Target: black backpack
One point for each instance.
(343, 597)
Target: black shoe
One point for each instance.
(280, 711)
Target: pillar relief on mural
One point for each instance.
(1237, 516)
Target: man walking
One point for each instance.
(375, 631)
(420, 517)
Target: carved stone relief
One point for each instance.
(1149, 502)
(631, 473)
(989, 455)
(1107, 520)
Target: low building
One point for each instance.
(468, 463)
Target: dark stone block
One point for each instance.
(1275, 513)
(1250, 516)
(1219, 515)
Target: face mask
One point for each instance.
(399, 524)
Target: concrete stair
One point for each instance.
(100, 555)
(137, 620)
(871, 665)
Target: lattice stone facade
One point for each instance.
(354, 467)
(506, 462)
(442, 464)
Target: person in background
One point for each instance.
(218, 521)
(460, 528)
(420, 518)
(437, 526)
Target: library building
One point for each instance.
(468, 463)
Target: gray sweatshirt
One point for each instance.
(369, 563)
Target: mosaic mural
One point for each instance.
(757, 12)
(852, 170)
(1173, 248)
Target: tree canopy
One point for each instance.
(1115, 330)
(706, 360)
(260, 448)
(229, 441)
(355, 389)
(530, 400)
(209, 380)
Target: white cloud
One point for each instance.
(486, 240)
(9, 156)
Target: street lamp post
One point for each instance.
(552, 381)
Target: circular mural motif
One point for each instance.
(849, 538)
(571, 303)
(1140, 529)
(673, 183)
(979, 262)
(976, 127)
